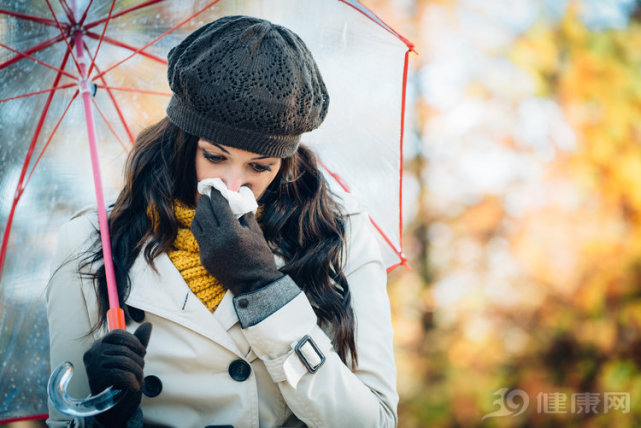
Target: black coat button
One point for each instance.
(152, 386)
(136, 314)
(243, 303)
(239, 370)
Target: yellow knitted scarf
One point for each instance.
(185, 255)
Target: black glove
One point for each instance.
(117, 360)
(233, 250)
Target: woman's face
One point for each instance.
(235, 167)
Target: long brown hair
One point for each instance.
(299, 219)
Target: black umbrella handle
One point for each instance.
(90, 406)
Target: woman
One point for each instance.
(286, 323)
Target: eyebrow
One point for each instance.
(223, 149)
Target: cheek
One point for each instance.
(264, 183)
(261, 185)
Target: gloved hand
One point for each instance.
(117, 359)
(233, 250)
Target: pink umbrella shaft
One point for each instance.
(115, 315)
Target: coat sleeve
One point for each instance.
(67, 313)
(333, 395)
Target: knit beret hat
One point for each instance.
(244, 82)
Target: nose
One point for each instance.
(234, 180)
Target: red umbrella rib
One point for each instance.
(38, 19)
(84, 15)
(43, 91)
(64, 36)
(120, 44)
(121, 13)
(400, 194)
(67, 11)
(53, 132)
(172, 29)
(25, 165)
(111, 128)
(336, 177)
(116, 106)
(29, 51)
(341, 182)
(102, 36)
(26, 55)
(389, 242)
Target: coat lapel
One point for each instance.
(166, 294)
(225, 313)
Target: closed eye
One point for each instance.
(261, 168)
(212, 157)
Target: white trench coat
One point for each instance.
(192, 353)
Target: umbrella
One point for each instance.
(47, 47)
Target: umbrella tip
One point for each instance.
(405, 263)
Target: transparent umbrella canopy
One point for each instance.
(45, 162)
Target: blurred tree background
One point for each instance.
(522, 214)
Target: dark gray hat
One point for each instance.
(246, 83)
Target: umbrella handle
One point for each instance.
(90, 406)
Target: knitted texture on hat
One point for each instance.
(246, 83)
(186, 257)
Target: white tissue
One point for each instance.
(240, 202)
